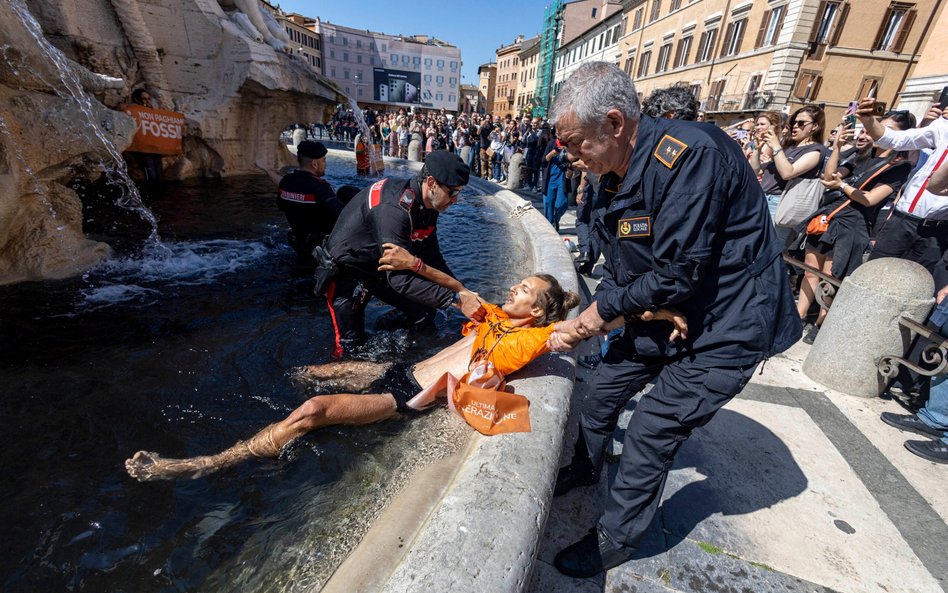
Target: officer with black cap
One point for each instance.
(403, 212)
(685, 227)
(308, 200)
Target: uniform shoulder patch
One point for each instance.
(406, 199)
(631, 228)
(669, 149)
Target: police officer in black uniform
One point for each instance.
(686, 226)
(308, 200)
(403, 212)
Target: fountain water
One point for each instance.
(69, 86)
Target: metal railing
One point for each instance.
(751, 101)
(827, 286)
(934, 354)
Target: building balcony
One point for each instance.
(750, 101)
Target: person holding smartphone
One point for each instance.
(917, 229)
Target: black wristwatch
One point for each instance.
(456, 300)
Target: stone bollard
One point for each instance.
(298, 136)
(862, 326)
(514, 169)
(414, 150)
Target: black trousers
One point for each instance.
(685, 395)
(585, 215)
(916, 240)
(347, 296)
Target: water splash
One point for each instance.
(69, 87)
(141, 278)
(375, 167)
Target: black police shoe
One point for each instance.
(911, 423)
(573, 476)
(591, 555)
(590, 362)
(936, 451)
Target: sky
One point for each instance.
(477, 28)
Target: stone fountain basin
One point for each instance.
(473, 522)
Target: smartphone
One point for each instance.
(943, 99)
(851, 113)
(740, 134)
(878, 109)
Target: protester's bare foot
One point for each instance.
(348, 375)
(145, 466)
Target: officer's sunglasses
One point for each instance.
(452, 192)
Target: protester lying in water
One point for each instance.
(510, 336)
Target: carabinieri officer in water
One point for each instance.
(403, 212)
(308, 200)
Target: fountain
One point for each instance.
(194, 56)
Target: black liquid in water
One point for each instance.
(183, 349)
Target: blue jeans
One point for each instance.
(496, 161)
(935, 412)
(555, 202)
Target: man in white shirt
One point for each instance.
(917, 229)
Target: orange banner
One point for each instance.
(156, 131)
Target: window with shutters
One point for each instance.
(696, 90)
(714, 95)
(684, 48)
(637, 20)
(706, 45)
(675, 5)
(656, 9)
(808, 86)
(629, 64)
(643, 64)
(664, 55)
(868, 88)
(895, 27)
(733, 36)
(770, 26)
(831, 18)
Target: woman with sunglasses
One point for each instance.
(799, 154)
(856, 186)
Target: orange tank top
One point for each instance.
(507, 346)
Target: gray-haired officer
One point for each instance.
(403, 212)
(308, 200)
(686, 227)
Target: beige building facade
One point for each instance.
(598, 42)
(508, 70)
(930, 74)
(305, 39)
(527, 83)
(470, 97)
(487, 80)
(740, 58)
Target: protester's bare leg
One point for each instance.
(346, 375)
(319, 411)
(808, 286)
